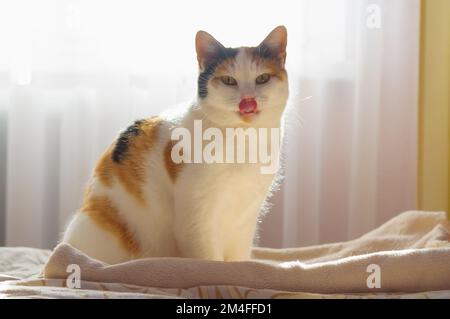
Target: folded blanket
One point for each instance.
(412, 252)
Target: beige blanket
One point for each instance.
(411, 251)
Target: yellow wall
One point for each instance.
(434, 114)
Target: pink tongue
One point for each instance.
(247, 106)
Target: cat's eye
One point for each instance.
(263, 78)
(228, 80)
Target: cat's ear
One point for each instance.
(274, 45)
(208, 48)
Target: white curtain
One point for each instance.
(75, 72)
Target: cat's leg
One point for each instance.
(84, 234)
(240, 241)
(239, 247)
(241, 237)
(196, 230)
(213, 218)
(197, 240)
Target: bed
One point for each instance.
(407, 257)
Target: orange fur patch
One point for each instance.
(104, 168)
(224, 67)
(274, 67)
(221, 70)
(173, 169)
(103, 212)
(131, 170)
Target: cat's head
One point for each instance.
(243, 86)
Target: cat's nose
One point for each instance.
(248, 97)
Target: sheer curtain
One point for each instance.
(75, 72)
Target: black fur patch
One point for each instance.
(203, 78)
(124, 139)
(264, 52)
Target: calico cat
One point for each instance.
(141, 203)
